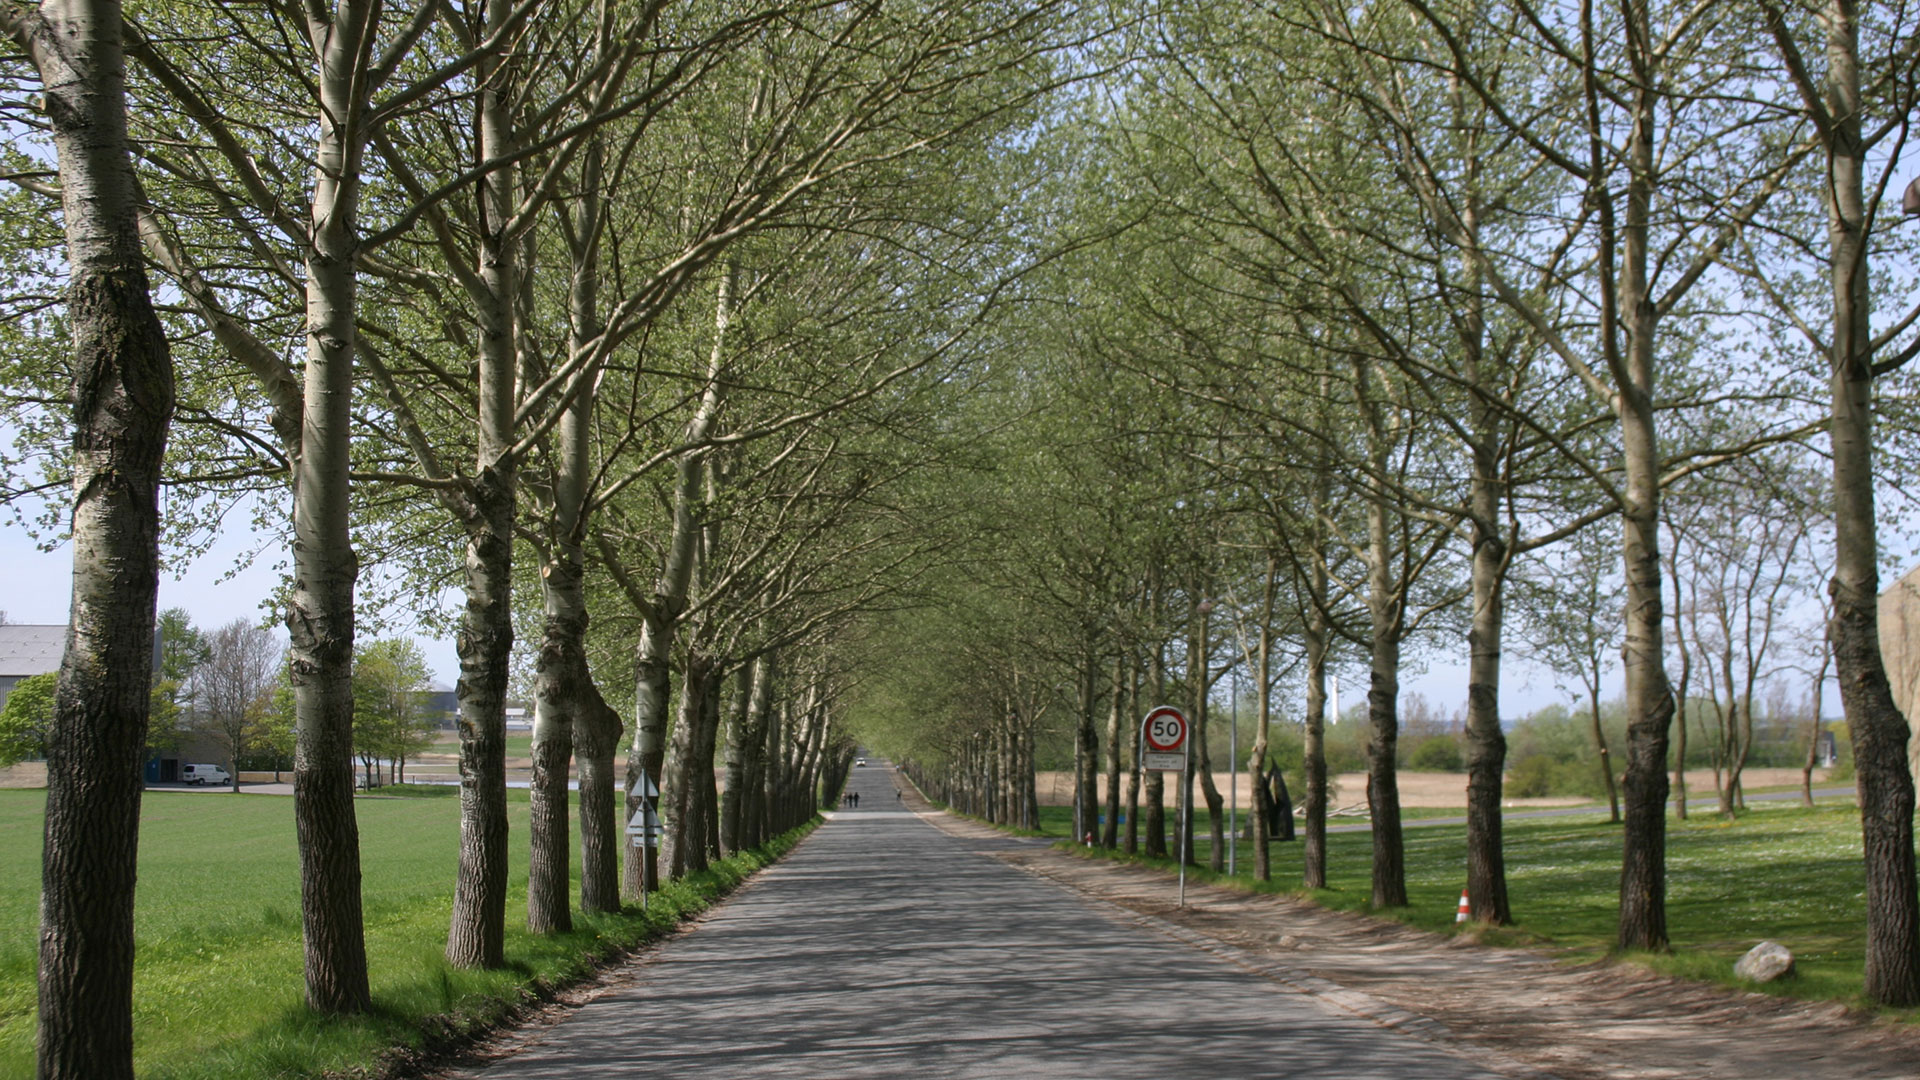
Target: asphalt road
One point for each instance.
(883, 947)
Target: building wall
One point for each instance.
(1900, 651)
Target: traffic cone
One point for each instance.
(1466, 910)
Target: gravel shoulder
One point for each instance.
(1527, 1014)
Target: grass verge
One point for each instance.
(1779, 872)
(218, 984)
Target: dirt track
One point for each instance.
(1524, 1013)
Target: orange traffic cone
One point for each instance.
(1466, 910)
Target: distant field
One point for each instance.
(1779, 872)
(218, 984)
(1431, 790)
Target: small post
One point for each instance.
(1186, 802)
(1163, 740)
(644, 826)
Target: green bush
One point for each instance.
(1534, 775)
(1346, 744)
(25, 718)
(1437, 753)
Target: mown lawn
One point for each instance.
(218, 985)
(1781, 872)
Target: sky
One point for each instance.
(35, 588)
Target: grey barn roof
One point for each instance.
(29, 649)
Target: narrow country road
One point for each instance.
(883, 947)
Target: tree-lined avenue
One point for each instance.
(885, 947)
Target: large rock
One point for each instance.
(1764, 963)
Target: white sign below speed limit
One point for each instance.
(1163, 740)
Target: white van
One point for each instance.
(205, 774)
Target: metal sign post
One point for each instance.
(644, 826)
(1164, 735)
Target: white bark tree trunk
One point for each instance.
(123, 398)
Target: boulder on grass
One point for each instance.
(1764, 963)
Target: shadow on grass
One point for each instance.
(436, 1016)
(1791, 875)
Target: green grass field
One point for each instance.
(1779, 872)
(218, 984)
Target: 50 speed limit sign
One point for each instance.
(1163, 740)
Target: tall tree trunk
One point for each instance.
(596, 741)
(1643, 883)
(566, 701)
(557, 668)
(652, 662)
(1201, 760)
(647, 758)
(123, 399)
(1602, 753)
(753, 775)
(1314, 752)
(1313, 870)
(476, 935)
(559, 671)
(1686, 680)
(1156, 784)
(1132, 723)
(1486, 741)
(1257, 755)
(1383, 788)
(320, 607)
(810, 793)
(1813, 734)
(1878, 731)
(1110, 829)
(1728, 738)
(739, 738)
(679, 810)
(1029, 780)
(1086, 781)
(779, 730)
(706, 795)
(1384, 609)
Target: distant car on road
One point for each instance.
(860, 761)
(205, 774)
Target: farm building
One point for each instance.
(28, 649)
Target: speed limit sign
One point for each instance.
(1163, 738)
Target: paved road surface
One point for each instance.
(883, 947)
